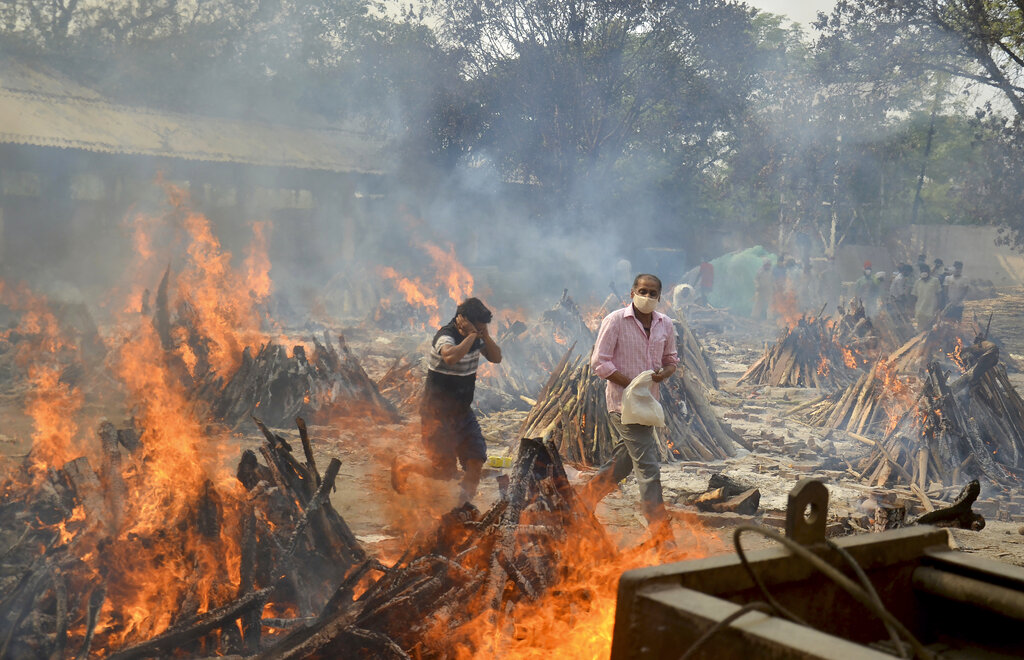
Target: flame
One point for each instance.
(257, 263)
(450, 271)
(897, 399)
(786, 308)
(849, 358)
(51, 404)
(574, 620)
(956, 355)
(425, 289)
(153, 556)
(225, 312)
(415, 293)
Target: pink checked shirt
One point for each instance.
(623, 346)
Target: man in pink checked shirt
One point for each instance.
(632, 340)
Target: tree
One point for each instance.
(582, 96)
(980, 40)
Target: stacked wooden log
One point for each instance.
(809, 354)
(970, 426)
(872, 405)
(279, 386)
(62, 543)
(693, 356)
(472, 569)
(572, 412)
(402, 383)
(914, 356)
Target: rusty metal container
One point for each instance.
(957, 605)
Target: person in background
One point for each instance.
(926, 291)
(956, 293)
(705, 280)
(449, 428)
(866, 288)
(621, 273)
(763, 284)
(682, 296)
(632, 340)
(899, 290)
(939, 273)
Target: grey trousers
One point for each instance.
(634, 450)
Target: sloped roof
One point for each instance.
(40, 108)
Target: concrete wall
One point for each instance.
(975, 246)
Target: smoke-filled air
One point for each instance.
(510, 329)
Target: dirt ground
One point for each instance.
(785, 451)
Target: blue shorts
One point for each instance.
(450, 437)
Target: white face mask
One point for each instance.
(644, 304)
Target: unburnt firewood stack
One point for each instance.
(572, 412)
(695, 360)
(278, 386)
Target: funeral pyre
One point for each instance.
(933, 422)
(117, 536)
(814, 351)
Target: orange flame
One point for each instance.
(51, 403)
(257, 263)
(575, 619)
(956, 355)
(451, 272)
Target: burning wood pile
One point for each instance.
(969, 426)
(572, 412)
(869, 406)
(915, 355)
(221, 570)
(810, 353)
(473, 571)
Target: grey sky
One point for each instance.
(801, 11)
